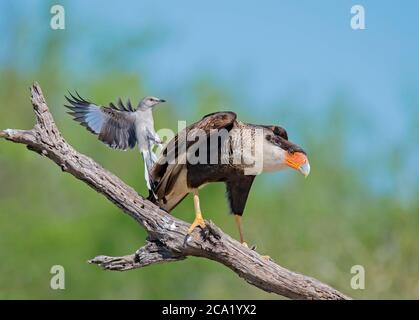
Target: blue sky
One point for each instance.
(265, 50)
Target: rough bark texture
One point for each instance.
(166, 234)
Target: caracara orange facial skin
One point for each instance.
(298, 161)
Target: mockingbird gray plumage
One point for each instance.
(120, 127)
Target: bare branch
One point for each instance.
(151, 253)
(167, 234)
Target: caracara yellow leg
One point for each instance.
(199, 220)
(240, 227)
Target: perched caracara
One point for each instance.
(227, 151)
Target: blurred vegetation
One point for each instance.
(320, 226)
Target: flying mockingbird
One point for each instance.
(120, 126)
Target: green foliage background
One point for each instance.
(320, 226)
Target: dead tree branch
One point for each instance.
(166, 234)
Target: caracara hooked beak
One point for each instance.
(298, 161)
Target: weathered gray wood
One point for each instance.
(166, 240)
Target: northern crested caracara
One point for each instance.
(219, 148)
(120, 127)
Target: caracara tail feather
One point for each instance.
(176, 189)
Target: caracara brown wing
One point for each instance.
(169, 172)
(114, 125)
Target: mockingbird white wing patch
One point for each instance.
(115, 126)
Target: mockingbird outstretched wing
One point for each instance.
(114, 125)
(120, 126)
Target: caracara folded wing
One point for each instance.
(169, 174)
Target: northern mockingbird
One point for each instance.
(120, 126)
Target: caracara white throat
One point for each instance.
(120, 127)
(173, 178)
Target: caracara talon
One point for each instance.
(198, 222)
(253, 247)
(186, 240)
(206, 233)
